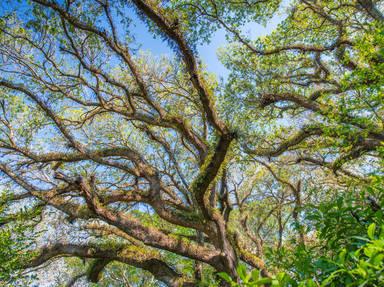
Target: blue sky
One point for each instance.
(207, 52)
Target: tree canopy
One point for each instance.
(153, 171)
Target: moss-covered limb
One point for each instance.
(292, 141)
(203, 188)
(149, 235)
(329, 165)
(355, 152)
(123, 52)
(117, 47)
(249, 257)
(53, 197)
(101, 229)
(172, 215)
(46, 109)
(224, 200)
(169, 210)
(57, 199)
(327, 110)
(132, 255)
(267, 99)
(209, 171)
(77, 156)
(362, 143)
(157, 16)
(94, 271)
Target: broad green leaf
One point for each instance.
(371, 230)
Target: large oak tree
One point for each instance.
(148, 156)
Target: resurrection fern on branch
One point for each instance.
(123, 158)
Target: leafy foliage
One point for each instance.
(350, 251)
(149, 167)
(15, 248)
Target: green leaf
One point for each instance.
(371, 231)
(264, 281)
(342, 256)
(255, 275)
(225, 277)
(242, 272)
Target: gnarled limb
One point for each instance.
(131, 255)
